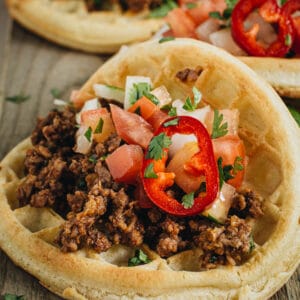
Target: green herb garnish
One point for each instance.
(171, 122)
(149, 172)
(103, 157)
(137, 91)
(237, 165)
(99, 127)
(225, 16)
(219, 129)
(281, 2)
(251, 244)
(189, 105)
(224, 172)
(166, 39)
(93, 158)
(216, 15)
(140, 258)
(288, 40)
(151, 97)
(17, 98)
(13, 297)
(55, 93)
(88, 134)
(172, 112)
(188, 200)
(163, 10)
(191, 5)
(295, 114)
(157, 145)
(138, 111)
(213, 259)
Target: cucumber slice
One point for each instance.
(109, 92)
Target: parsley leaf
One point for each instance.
(231, 3)
(237, 165)
(171, 122)
(149, 172)
(88, 134)
(188, 200)
(99, 126)
(189, 105)
(55, 93)
(157, 145)
(295, 114)
(163, 9)
(225, 16)
(13, 297)
(216, 15)
(166, 39)
(281, 2)
(17, 98)
(219, 129)
(288, 40)
(137, 91)
(140, 258)
(191, 5)
(93, 158)
(172, 112)
(224, 172)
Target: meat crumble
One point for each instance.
(100, 213)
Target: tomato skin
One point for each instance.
(181, 23)
(132, 128)
(125, 163)
(296, 46)
(145, 106)
(229, 147)
(157, 118)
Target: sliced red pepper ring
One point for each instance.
(247, 39)
(202, 163)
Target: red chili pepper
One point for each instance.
(289, 8)
(202, 163)
(247, 39)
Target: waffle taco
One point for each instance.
(108, 202)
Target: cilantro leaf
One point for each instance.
(166, 39)
(251, 244)
(225, 16)
(137, 91)
(157, 145)
(171, 122)
(191, 5)
(139, 258)
(88, 134)
(151, 97)
(288, 40)
(13, 297)
(93, 158)
(231, 3)
(172, 112)
(281, 2)
(237, 165)
(295, 114)
(216, 15)
(189, 105)
(219, 129)
(55, 93)
(163, 9)
(17, 98)
(149, 172)
(224, 172)
(188, 200)
(99, 127)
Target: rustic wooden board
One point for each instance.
(32, 66)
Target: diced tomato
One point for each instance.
(181, 23)
(296, 45)
(131, 127)
(92, 118)
(157, 118)
(78, 98)
(125, 163)
(229, 148)
(230, 116)
(144, 107)
(200, 12)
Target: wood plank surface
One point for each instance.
(33, 66)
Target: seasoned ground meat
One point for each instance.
(100, 212)
(188, 75)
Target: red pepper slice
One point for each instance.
(247, 39)
(202, 163)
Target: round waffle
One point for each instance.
(272, 141)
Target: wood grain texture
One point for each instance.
(32, 66)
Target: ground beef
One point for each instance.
(188, 75)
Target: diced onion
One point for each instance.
(205, 29)
(162, 94)
(82, 144)
(178, 141)
(60, 102)
(109, 92)
(88, 105)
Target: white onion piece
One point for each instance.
(88, 105)
(223, 39)
(199, 113)
(109, 92)
(160, 33)
(60, 102)
(178, 141)
(82, 144)
(162, 94)
(130, 81)
(205, 29)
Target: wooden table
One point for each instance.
(33, 66)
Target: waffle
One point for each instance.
(272, 141)
(68, 23)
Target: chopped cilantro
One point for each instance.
(224, 172)
(295, 114)
(191, 5)
(157, 145)
(103, 157)
(288, 40)
(213, 259)
(13, 297)
(219, 129)
(140, 258)
(137, 91)
(225, 16)
(188, 200)
(213, 219)
(149, 172)
(251, 244)
(138, 111)
(237, 165)
(17, 98)
(163, 9)
(281, 2)
(166, 39)
(81, 184)
(151, 97)
(55, 93)
(171, 122)
(93, 158)
(189, 105)
(88, 134)
(216, 15)
(231, 3)
(99, 127)
(172, 112)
